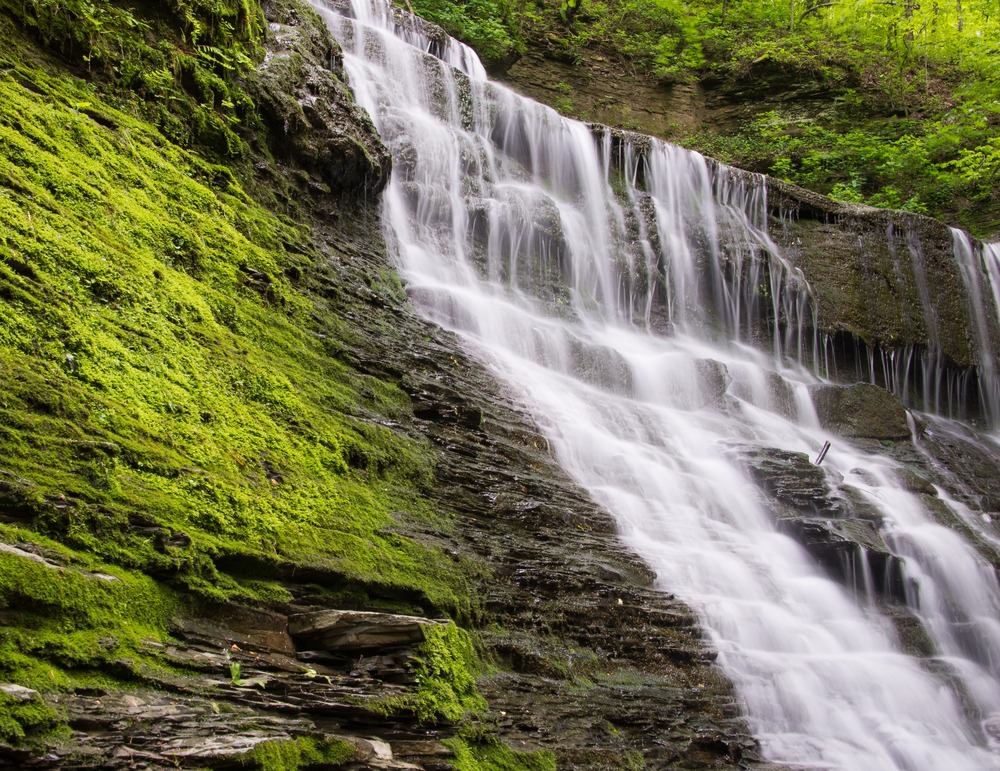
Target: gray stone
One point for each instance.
(19, 692)
(357, 630)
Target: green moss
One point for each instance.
(170, 411)
(70, 614)
(488, 753)
(179, 61)
(302, 752)
(27, 721)
(446, 669)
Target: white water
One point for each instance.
(626, 292)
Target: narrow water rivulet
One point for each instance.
(628, 291)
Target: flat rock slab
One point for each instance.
(356, 630)
(19, 692)
(860, 411)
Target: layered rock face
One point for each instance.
(888, 278)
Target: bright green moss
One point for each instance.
(446, 669)
(446, 673)
(27, 721)
(69, 613)
(182, 58)
(303, 752)
(490, 754)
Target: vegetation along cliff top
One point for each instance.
(892, 104)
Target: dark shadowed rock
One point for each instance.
(861, 411)
(311, 116)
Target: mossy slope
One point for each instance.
(170, 398)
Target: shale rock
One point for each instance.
(593, 663)
(829, 519)
(887, 278)
(860, 411)
(790, 479)
(346, 630)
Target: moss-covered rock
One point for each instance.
(170, 401)
(860, 411)
(26, 721)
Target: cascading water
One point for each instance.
(629, 292)
(922, 376)
(985, 312)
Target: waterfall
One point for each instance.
(922, 375)
(629, 293)
(979, 266)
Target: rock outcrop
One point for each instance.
(887, 278)
(860, 411)
(312, 121)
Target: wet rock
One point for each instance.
(310, 115)
(600, 365)
(852, 551)
(965, 462)
(215, 749)
(868, 268)
(791, 479)
(714, 379)
(860, 411)
(438, 403)
(831, 520)
(249, 628)
(349, 630)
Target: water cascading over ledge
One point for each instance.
(903, 301)
(635, 298)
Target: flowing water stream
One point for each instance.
(629, 292)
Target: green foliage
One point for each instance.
(302, 752)
(913, 118)
(923, 166)
(489, 26)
